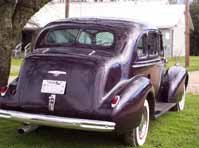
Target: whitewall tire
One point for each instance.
(137, 136)
(181, 104)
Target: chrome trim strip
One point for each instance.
(149, 61)
(143, 65)
(55, 121)
(92, 52)
(57, 73)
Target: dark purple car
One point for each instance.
(96, 75)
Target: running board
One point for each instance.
(162, 108)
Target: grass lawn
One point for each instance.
(194, 62)
(15, 66)
(172, 130)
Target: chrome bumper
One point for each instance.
(62, 122)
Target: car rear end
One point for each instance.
(59, 91)
(62, 86)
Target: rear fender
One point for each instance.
(127, 114)
(176, 78)
(9, 98)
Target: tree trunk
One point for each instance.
(14, 15)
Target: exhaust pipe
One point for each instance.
(27, 128)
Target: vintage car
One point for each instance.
(95, 74)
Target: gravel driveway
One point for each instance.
(193, 86)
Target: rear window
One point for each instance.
(85, 37)
(64, 36)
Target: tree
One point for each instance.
(195, 1)
(194, 9)
(14, 14)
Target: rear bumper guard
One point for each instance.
(55, 121)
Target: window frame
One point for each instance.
(137, 44)
(148, 57)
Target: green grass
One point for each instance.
(172, 130)
(15, 66)
(194, 62)
(16, 62)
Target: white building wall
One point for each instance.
(160, 2)
(167, 36)
(179, 38)
(135, 1)
(161, 16)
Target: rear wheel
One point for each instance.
(181, 104)
(137, 136)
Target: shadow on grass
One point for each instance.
(54, 137)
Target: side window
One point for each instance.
(161, 48)
(142, 47)
(153, 44)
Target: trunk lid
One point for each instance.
(77, 74)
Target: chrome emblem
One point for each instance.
(57, 73)
(51, 102)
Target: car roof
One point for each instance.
(110, 22)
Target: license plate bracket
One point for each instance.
(53, 87)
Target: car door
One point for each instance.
(147, 60)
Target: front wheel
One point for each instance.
(137, 136)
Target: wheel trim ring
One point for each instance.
(141, 141)
(142, 132)
(182, 102)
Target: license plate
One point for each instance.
(53, 87)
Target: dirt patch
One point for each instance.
(193, 86)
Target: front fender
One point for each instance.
(127, 114)
(176, 78)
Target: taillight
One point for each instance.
(3, 89)
(115, 100)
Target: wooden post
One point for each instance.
(187, 34)
(67, 4)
